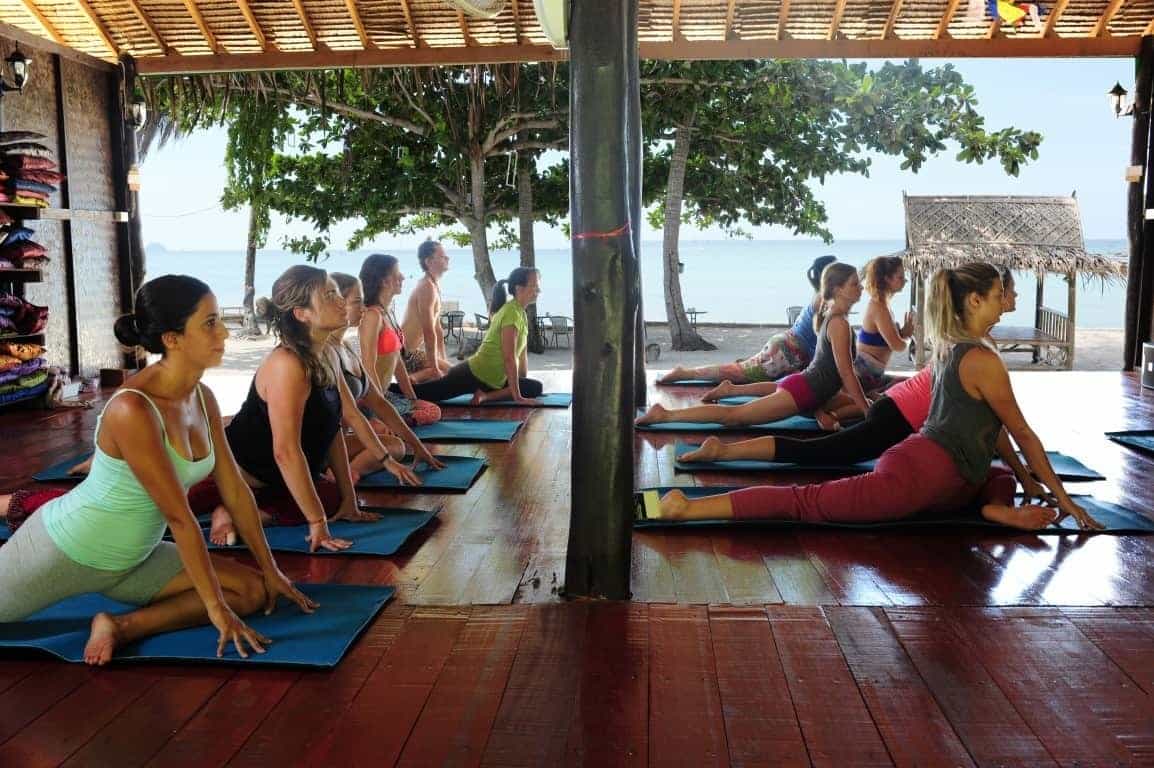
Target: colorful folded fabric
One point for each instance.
(22, 371)
(29, 162)
(44, 177)
(5, 219)
(33, 202)
(25, 186)
(25, 148)
(4, 197)
(27, 193)
(22, 249)
(13, 137)
(34, 262)
(16, 235)
(20, 351)
(6, 264)
(23, 394)
(25, 382)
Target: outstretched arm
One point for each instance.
(840, 337)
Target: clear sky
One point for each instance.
(1085, 148)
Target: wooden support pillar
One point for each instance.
(1071, 309)
(600, 528)
(920, 319)
(1139, 198)
(635, 157)
(129, 241)
(62, 145)
(1039, 300)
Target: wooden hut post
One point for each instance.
(1071, 308)
(635, 158)
(920, 322)
(600, 527)
(1039, 300)
(1138, 200)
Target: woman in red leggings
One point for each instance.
(946, 466)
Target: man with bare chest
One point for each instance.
(425, 358)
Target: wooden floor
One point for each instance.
(812, 647)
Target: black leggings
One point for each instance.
(883, 427)
(461, 381)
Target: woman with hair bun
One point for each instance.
(787, 352)
(498, 370)
(154, 440)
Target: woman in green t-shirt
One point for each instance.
(499, 367)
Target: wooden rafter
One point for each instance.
(98, 25)
(42, 20)
(153, 32)
(948, 16)
(835, 23)
(306, 25)
(409, 23)
(355, 16)
(253, 24)
(516, 22)
(202, 25)
(782, 19)
(463, 23)
(729, 19)
(895, 11)
(1052, 19)
(1104, 20)
(994, 28)
(676, 19)
(1149, 28)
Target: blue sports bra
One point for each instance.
(871, 339)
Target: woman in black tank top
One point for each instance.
(945, 467)
(288, 429)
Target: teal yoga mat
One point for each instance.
(1067, 467)
(299, 640)
(469, 431)
(1138, 439)
(550, 400)
(794, 423)
(1118, 519)
(381, 538)
(58, 472)
(459, 474)
(689, 383)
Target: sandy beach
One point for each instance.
(1095, 350)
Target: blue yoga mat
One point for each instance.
(551, 400)
(381, 538)
(58, 473)
(459, 474)
(1067, 467)
(1117, 519)
(469, 431)
(300, 640)
(795, 423)
(1138, 439)
(689, 383)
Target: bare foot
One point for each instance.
(710, 450)
(222, 533)
(1028, 517)
(478, 398)
(673, 506)
(5, 502)
(655, 415)
(102, 641)
(83, 468)
(724, 389)
(827, 421)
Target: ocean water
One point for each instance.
(746, 281)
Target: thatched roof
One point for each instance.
(231, 35)
(1038, 234)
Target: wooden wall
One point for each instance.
(85, 145)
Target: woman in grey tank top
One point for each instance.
(830, 372)
(947, 465)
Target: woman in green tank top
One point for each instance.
(153, 441)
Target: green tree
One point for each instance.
(733, 143)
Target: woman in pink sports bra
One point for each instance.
(893, 417)
(383, 342)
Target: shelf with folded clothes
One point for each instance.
(22, 338)
(31, 212)
(20, 275)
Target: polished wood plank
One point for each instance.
(1126, 636)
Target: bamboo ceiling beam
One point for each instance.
(729, 19)
(355, 15)
(42, 20)
(463, 23)
(1052, 19)
(782, 19)
(202, 25)
(894, 48)
(153, 32)
(409, 23)
(1104, 20)
(895, 12)
(994, 28)
(516, 22)
(838, 12)
(98, 25)
(676, 19)
(1149, 28)
(39, 42)
(944, 25)
(306, 25)
(253, 24)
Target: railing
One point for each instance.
(1053, 323)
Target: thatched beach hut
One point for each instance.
(1029, 234)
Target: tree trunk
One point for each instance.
(528, 252)
(684, 337)
(478, 234)
(251, 326)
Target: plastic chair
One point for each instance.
(559, 326)
(482, 324)
(792, 313)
